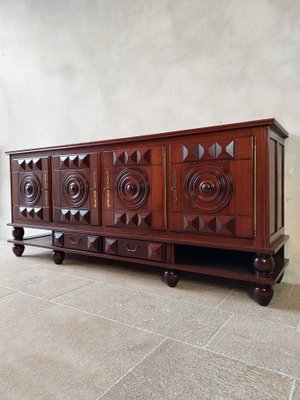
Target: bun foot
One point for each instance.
(18, 249)
(263, 294)
(58, 256)
(171, 277)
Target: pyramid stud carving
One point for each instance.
(66, 215)
(192, 152)
(29, 164)
(22, 164)
(110, 246)
(155, 251)
(218, 150)
(120, 219)
(93, 243)
(58, 239)
(37, 163)
(135, 157)
(31, 213)
(225, 225)
(146, 157)
(85, 216)
(230, 149)
(84, 161)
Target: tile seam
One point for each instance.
(292, 390)
(131, 369)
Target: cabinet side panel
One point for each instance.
(276, 185)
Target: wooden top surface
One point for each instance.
(248, 124)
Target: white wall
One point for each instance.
(77, 70)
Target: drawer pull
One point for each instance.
(132, 250)
(75, 241)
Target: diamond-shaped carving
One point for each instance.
(156, 251)
(146, 157)
(23, 211)
(218, 150)
(225, 225)
(37, 163)
(73, 161)
(63, 162)
(84, 161)
(22, 164)
(120, 158)
(135, 157)
(110, 246)
(230, 149)
(212, 150)
(58, 239)
(93, 243)
(191, 223)
(29, 163)
(192, 152)
(120, 218)
(39, 213)
(85, 216)
(66, 215)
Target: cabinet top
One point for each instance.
(216, 128)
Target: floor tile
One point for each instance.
(95, 297)
(89, 268)
(18, 306)
(296, 394)
(263, 343)
(187, 322)
(295, 292)
(42, 283)
(5, 292)
(65, 354)
(197, 290)
(283, 308)
(176, 372)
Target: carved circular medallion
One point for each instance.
(132, 187)
(208, 186)
(75, 188)
(30, 188)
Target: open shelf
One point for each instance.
(202, 260)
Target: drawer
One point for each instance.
(153, 251)
(77, 241)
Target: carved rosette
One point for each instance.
(30, 188)
(208, 187)
(132, 188)
(75, 188)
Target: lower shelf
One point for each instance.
(211, 262)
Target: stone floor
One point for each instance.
(93, 330)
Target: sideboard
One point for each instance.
(207, 200)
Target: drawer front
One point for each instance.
(152, 251)
(77, 241)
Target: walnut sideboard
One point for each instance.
(207, 200)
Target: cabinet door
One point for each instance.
(212, 187)
(134, 188)
(30, 189)
(75, 188)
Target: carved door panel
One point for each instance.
(30, 189)
(134, 191)
(75, 189)
(212, 187)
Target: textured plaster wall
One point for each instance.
(75, 70)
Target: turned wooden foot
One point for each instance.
(58, 256)
(18, 233)
(18, 249)
(171, 277)
(263, 294)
